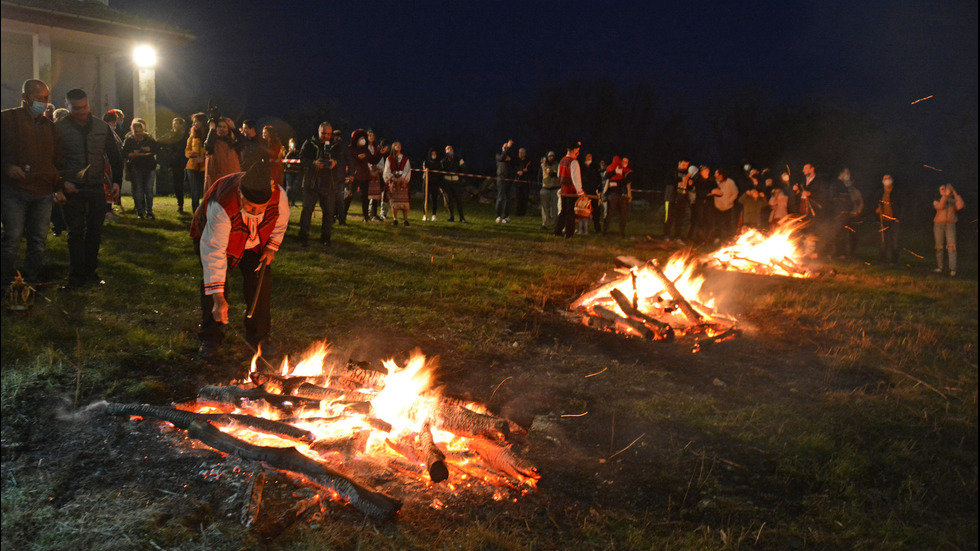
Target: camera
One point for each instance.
(214, 116)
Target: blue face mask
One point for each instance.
(37, 107)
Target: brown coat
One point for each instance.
(33, 144)
(222, 162)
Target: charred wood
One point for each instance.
(674, 293)
(253, 501)
(636, 326)
(183, 419)
(464, 422)
(730, 333)
(504, 459)
(282, 385)
(663, 329)
(371, 503)
(239, 396)
(314, 392)
(432, 456)
(347, 445)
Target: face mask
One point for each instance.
(362, 142)
(37, 108)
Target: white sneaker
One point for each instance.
(938, 270)
(505, 221)
(952, 274)
(433, 218)
(498, 220)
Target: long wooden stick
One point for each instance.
(682, 302)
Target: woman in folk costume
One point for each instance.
(397, 175)
(221, 147)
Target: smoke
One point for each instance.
(66, 413)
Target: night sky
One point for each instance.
(422, 69)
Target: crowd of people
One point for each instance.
(714, 208)
(64, 167)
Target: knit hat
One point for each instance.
(256, 183)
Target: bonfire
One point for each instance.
(779, 253)
(334, 426)
(658, 301)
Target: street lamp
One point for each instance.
(144, 85)
(145, 56)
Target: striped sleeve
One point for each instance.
(275, 240)
(214, 249)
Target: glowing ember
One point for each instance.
(354, 422)
(779, 253)
(656, 302)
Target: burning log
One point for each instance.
(346, 445)
(679, 299)
(504, 460)
(371, 503)
(464, 422)
(282, 385)
(362, 375)
(183, 419)
(431, 455)
(314, 392)
(633, 325)
(236, 396)
(663, 329)
(729, 333)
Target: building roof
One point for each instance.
(93, 17)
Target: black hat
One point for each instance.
(256, 184)
(574, 144)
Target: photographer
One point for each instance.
(325, 163)
(944, 225)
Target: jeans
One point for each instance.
(549, 206)
(947, 233)
(328, 203)
(143, 189)
(504, 191)
(29, 216)
(177, 179)
(293, 190)
(195, 186)
(85, 214)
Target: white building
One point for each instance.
(82, 44)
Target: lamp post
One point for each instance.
(144, 85)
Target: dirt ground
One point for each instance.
(123, 477)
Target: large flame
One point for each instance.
(779, 253)
(381, 419)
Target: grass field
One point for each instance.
(844, 418)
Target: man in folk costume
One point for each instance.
(240, 223)
(570, 181)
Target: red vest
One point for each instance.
(225, 192)
(565, 176)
